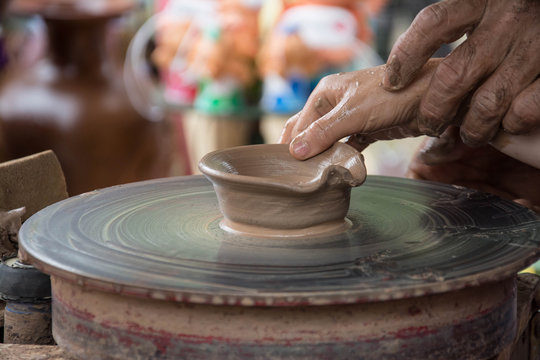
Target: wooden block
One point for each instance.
(205, 133)
(32, 352)
(10, 223)
(271, 127)
(34, 182)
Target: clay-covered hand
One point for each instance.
(447, 159)
(496, 68)
(355, 103)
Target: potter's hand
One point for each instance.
(448, 160)
(499, 61)
(355, 103)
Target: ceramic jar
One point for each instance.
(74, 101)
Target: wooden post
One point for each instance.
(205, 133)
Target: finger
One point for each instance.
(440, 23)
(524, 113)
(337, 124)
(492, 100)
(457, 74)
(286, 133)
(322, 133)
(363, 108)
(321, 101)
(359, 142)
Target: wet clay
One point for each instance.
(262, 190)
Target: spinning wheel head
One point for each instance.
(162, 238)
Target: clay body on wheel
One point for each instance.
(262, 190)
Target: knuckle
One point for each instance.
(292, 121)
(489, 104)
(449, 75)
(430, 114)
(401, 46)
(434, 16)
(327, 90)
(318, 135)
(431, 120)
(316, 130)
(325, 81)
(430, 18)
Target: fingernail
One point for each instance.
(391, 75)
(513, 132)
(432, 130)
(467, 140)
(299, 147)
(390, 80)
(512, 124)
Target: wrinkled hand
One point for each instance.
(499, 61)
(448, 160)
(355, 103)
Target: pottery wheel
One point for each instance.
(161, 239)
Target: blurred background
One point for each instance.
(128, 90)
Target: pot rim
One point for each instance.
(320, 180)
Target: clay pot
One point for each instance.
(262, 190)
(75, 103)
(3, 6)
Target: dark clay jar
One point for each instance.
(75, 103)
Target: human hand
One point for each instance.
(448, 160)
(499, 61)
(355, 103)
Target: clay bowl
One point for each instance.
(263, 191)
